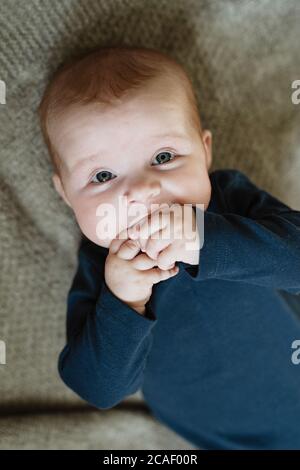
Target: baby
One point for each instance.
(204, 328)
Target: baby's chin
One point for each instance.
(103, 241)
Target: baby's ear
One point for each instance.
(207, 142)
(59, 188)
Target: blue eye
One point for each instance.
(105, 176)
(163, 157)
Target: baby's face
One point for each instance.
(127, 159)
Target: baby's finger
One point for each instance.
(133, 230)
(156, 243)
(143, 262)
(167, 257)
(152, 217)
(156, 275)
(128, 250)
(149, 225)
(118, 241)
(159, 222)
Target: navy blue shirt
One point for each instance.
(212, 355)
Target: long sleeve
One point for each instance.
(107, 341)
(255, 239)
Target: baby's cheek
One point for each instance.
(100, 227)
(91, 227)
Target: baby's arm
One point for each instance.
(107, 341)
(255, 240)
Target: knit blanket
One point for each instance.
(242, 57)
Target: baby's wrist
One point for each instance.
(141, 311)
(140, 308)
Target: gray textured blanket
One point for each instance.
(242, 57)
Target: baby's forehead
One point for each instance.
(122, 109)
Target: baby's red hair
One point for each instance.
(105, 75)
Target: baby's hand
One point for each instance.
(168, 236)
(131, 276)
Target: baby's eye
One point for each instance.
(102, 176)
(164, 157)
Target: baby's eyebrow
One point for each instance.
(171, 136)
(84, 162)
